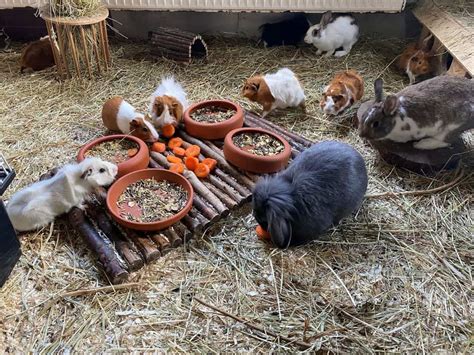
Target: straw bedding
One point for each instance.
(396, 277)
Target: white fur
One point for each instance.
(170, 87)
(329, 107)
(126, 114)
(285, 88)
(340, 33)
(40, 203)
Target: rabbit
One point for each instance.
(40, 203)
(430, 114)
(343, 91)
(168, 103)
(333, 33)
(119, 115)
(276, 90)
(324, 184)
(419, 63)
(284, 33)
(37, 55)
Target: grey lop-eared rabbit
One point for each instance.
(430, 114)
(324, 184)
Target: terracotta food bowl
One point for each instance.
(261, 164)
(136, 162)
(118, 188)
(213, 130)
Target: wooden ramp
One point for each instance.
(450, 35)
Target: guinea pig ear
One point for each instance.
(86, 173)
(326, 19)
(134, 124)
(279, 229)
(390, 105)
(378, 88)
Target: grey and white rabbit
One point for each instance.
(332, 33)
(431, 114)
(324, 184)
(40, 203)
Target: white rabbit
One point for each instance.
(40, 203)
(168, 103)
(276, 90)
(332, 33)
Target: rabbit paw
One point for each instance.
(339, 54)
(328, 54)
(430, 143)
(319, 52)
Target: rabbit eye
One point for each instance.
(101, 170)
(375, 124)
(315, 32)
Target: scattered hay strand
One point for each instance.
(112, 288)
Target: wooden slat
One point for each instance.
(457, 38)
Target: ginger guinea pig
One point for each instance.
(37, 55)
(418, 63)
(168, 103)
(342, 92)
(119, 115)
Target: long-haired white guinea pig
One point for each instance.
(40, 203)
(332, 33)
(119, 115)
(275, 90)
(168, 103)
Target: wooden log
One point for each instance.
(182, 231)
(86, 52)
(228, 201)
(220, 160)
(192, 223)
(173, 237)
(207, 211)
(104, 251)
(221, 185)
(145, 245)
(232, 182)
(162, 242)
(175, 33)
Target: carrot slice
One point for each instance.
(202, 170)
(173, 159)
(158, 147)
(262, 233)
(193, 151)
(177, 168)
(211, 163)
(132, 152)
(168, 131)
(191, 163)
(178, 151)
(175, 142)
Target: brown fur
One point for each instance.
(175, 107)
(420, 61)
(338, 86)
(256, 89)
(37, 55)
(139, 129)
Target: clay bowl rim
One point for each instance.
(239, 112)
(156, 225)
(141, 146)
(285, 154)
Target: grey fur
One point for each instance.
(444, 98)
(324, 184)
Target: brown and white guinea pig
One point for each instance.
(275, 90)
(37, 55)
(343, 91)
(168, 103)
(119, 115)
(418, 63)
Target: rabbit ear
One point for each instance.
(390, 105)
(427, 43)
(378, 88)
(279, 229)
(326, 19)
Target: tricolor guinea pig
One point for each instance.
(119, 115)
(419, 63)
(275, 90)
(343, 91)
(168, 103)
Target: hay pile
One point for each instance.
(396, 277)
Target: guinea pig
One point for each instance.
(431, 114)
(324, 184)
(333, 32)
(284, 33)
(275, 90)
(119, 115)
(40, 203)
(418, 63)
(168, 103)
(343, 91)
(37, 55)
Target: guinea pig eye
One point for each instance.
(145, 129)
(101, 170)
(338, 97)
(375, 124)
(414, 59)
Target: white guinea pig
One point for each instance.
(275, 90)
(168, 103)
(40, 203)
(119, 115)
(332, 33)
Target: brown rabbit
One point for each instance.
(37, 55)
(419, 63)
